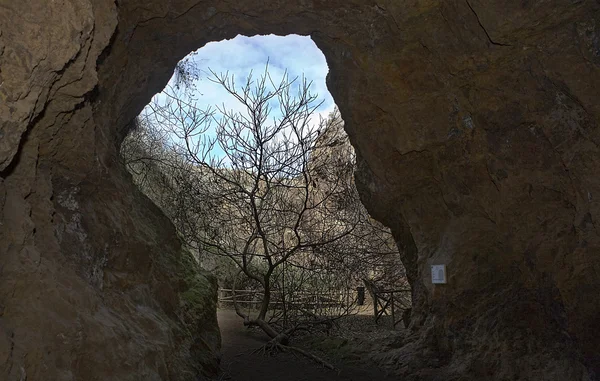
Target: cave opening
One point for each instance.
(476, 138)
(245, 151)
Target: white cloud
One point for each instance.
(239, 56)
(297, 54)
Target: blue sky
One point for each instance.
(239, 56)
(298, 54)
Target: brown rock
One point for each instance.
(476, 124)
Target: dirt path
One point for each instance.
(239, 364)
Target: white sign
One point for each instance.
(438, 274)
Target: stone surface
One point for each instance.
(94, 284)
(476, 127)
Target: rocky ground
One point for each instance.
(348, 349)
(356, 339)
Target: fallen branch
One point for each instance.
(275, 346)
(309, 355)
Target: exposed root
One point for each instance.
(273, 347)
(279, 340)
(309, 355)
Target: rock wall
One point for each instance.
(476, 126)
(94, 284)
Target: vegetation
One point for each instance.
(265, 196)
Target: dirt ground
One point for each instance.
(239, 364)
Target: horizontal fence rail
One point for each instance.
(393, 303)
(300, 298)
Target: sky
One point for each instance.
(298, 54)
(239, 56)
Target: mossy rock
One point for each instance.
(189, 293)
(198, 302)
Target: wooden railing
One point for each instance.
(311, 300)
(393, 303)
(390, 302)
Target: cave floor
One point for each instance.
(240, 364)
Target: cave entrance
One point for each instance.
(245, 151)
(476, 137)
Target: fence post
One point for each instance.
(348, 290)
(375, 305)
(360, 297)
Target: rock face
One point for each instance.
(476, 126)
(94, 284)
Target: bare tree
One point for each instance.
(261, 189)
(268, 188)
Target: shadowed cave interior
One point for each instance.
(476, 140)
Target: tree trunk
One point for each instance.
(266, 300)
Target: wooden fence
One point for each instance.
(307, 300)
(393, 303)
(390, 303)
